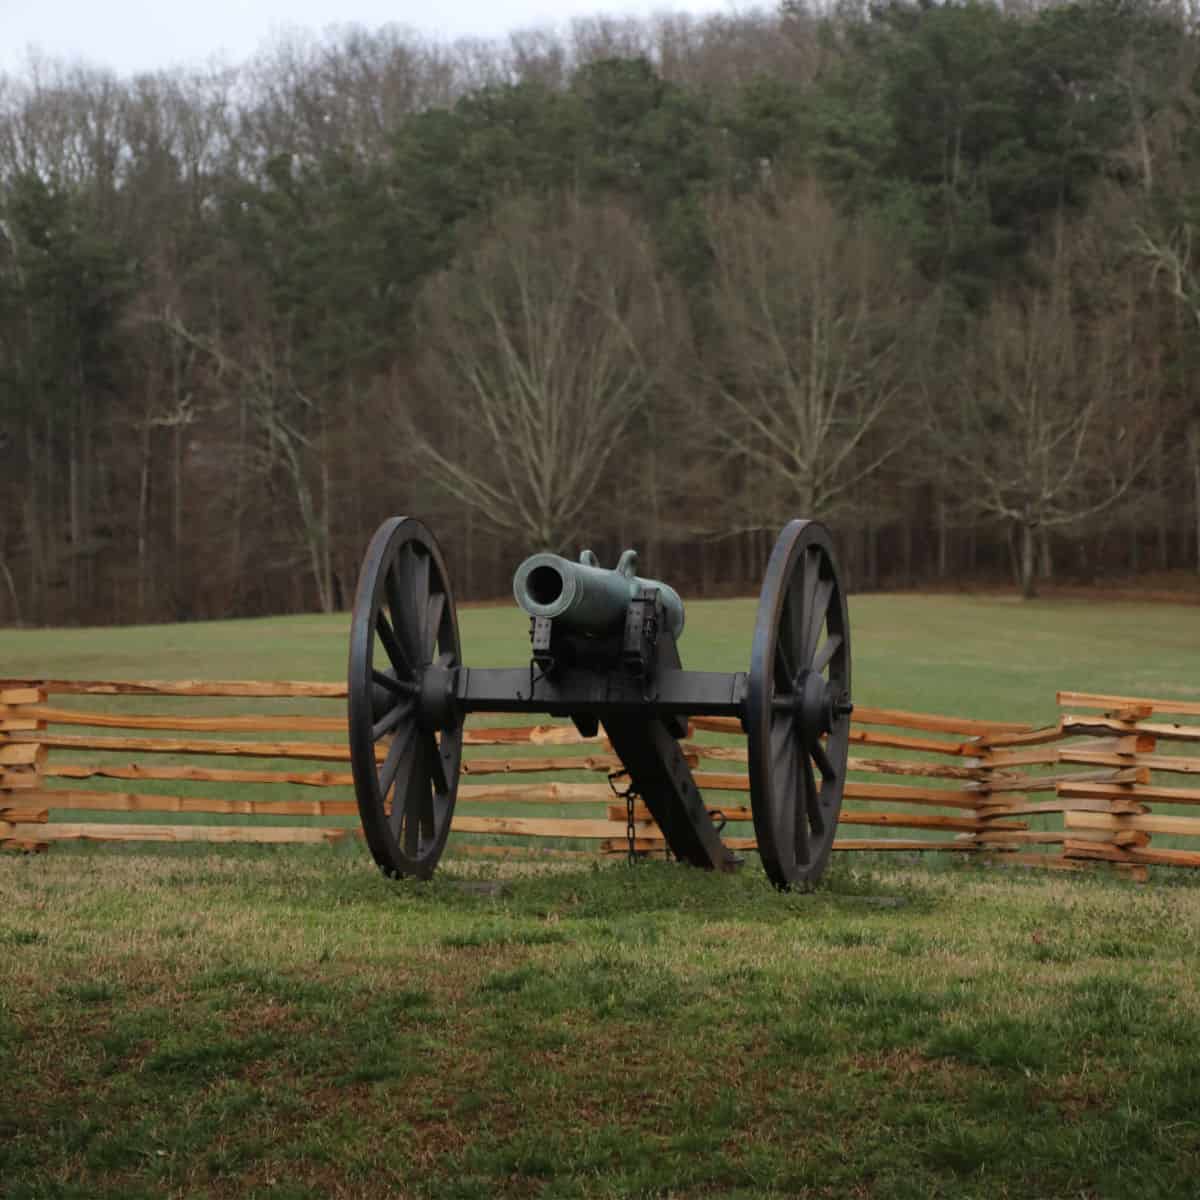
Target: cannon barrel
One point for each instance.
(585, 597)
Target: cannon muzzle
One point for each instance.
(585, 597)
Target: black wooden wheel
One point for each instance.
(405, 736)
(798, 706)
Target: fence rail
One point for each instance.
(1072, 794)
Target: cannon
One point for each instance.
(604, 652)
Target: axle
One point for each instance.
(448, 693)
(672, 692)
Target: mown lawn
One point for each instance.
(290, 1024)
(188, 1022)
(988, 656)
(974, 656)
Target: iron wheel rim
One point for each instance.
(405, 773)
(802, 629)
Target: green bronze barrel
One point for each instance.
(585, 597)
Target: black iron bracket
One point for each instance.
(643, 619)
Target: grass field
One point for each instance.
(977, 656)
(292, 1025)
(179, 1022)
(966, 656)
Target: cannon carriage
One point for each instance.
(604, 652)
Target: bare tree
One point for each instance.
(1045, 424)
(814, 344)
(291, 425)
(548, 337)
(1175, 265)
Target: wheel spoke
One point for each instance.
(814, 817)
(391, 645)
(808, 584)
(397, 752)
(794, 609)
(420, 598)
(407, 616)
(796, 833)
(828, 649)
(412, 823)
(428, 825)
(437, 768)
(783, 780)
(435, 607)
(783, 664)
(816, 618)
(401, 777)
(827, 769)
(387, 723)
(393, 685)
(416, 801)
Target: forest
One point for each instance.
(929, 272)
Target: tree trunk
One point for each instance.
(326, 533)
(35, 532)
(73, 516)
(177, 523)
(12, 592)
(649, 484)
(469, 555)
(239, 488)
(90, 505)
(142, 519)
(52, 511)
(313, 529)
(943, 556)
(1162, 506)
(1194, 444)
(1028, 558)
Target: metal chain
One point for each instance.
(630, 830)
(630, 796)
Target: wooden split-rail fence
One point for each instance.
(1075, 793)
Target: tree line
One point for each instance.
(928, 272)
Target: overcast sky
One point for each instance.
(145, 35)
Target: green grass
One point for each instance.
(286, 1023)
(968, 655)
(250, 1023)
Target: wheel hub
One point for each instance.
(814, 705)
(436, 708)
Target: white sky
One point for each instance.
(147, 35)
